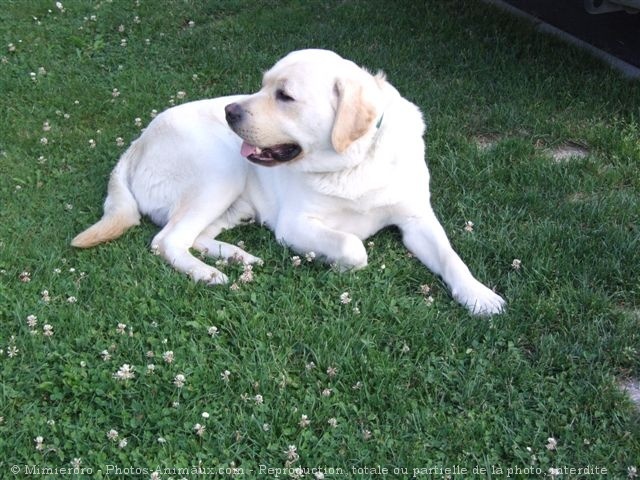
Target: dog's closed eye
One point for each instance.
(282, 96)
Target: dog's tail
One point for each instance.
(120, 207)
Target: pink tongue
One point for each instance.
(247, 149)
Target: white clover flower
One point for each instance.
(468, 226)
(106, 356)
(258, 399)
(552, 443)
(115, 93)
(179, 380)
(39, 443)
(247, 274)
(205, 415)
(332, 371)
(310, 256)
(75, 463)
(59, 6)
(295, 261)
(92, 143)
(112, 435)
(47, 330)
(326, 392)
(32, 321)
(180, 95)
(292, 453)
(12, 351)
(123, 443)
(168, 356)
(119, 142)
(121, 328)
(44, 141)
(46, 126)
(333, 422)
(199, 429)
(345, 298)
(72, 299)
(516, 264)
(225, 375)
(213, 331)
(304, 421)
(125, 372)
(137, 122)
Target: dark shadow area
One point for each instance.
(617, 33)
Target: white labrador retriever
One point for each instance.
(325, 155)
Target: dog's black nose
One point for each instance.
(233, 113)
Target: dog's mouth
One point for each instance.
(270, 156)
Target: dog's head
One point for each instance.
(311, 101)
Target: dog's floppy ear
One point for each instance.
(354, 114)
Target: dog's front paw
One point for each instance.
(208, 275)
(353, 255)
(479, 299)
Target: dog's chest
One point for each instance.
(361, 223)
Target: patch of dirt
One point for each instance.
(486, 142)
(566, 152)
(632, 388)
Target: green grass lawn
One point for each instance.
(291, 376)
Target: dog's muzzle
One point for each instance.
(266, 156)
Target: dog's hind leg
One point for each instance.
(206, 243)
(185, 225)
